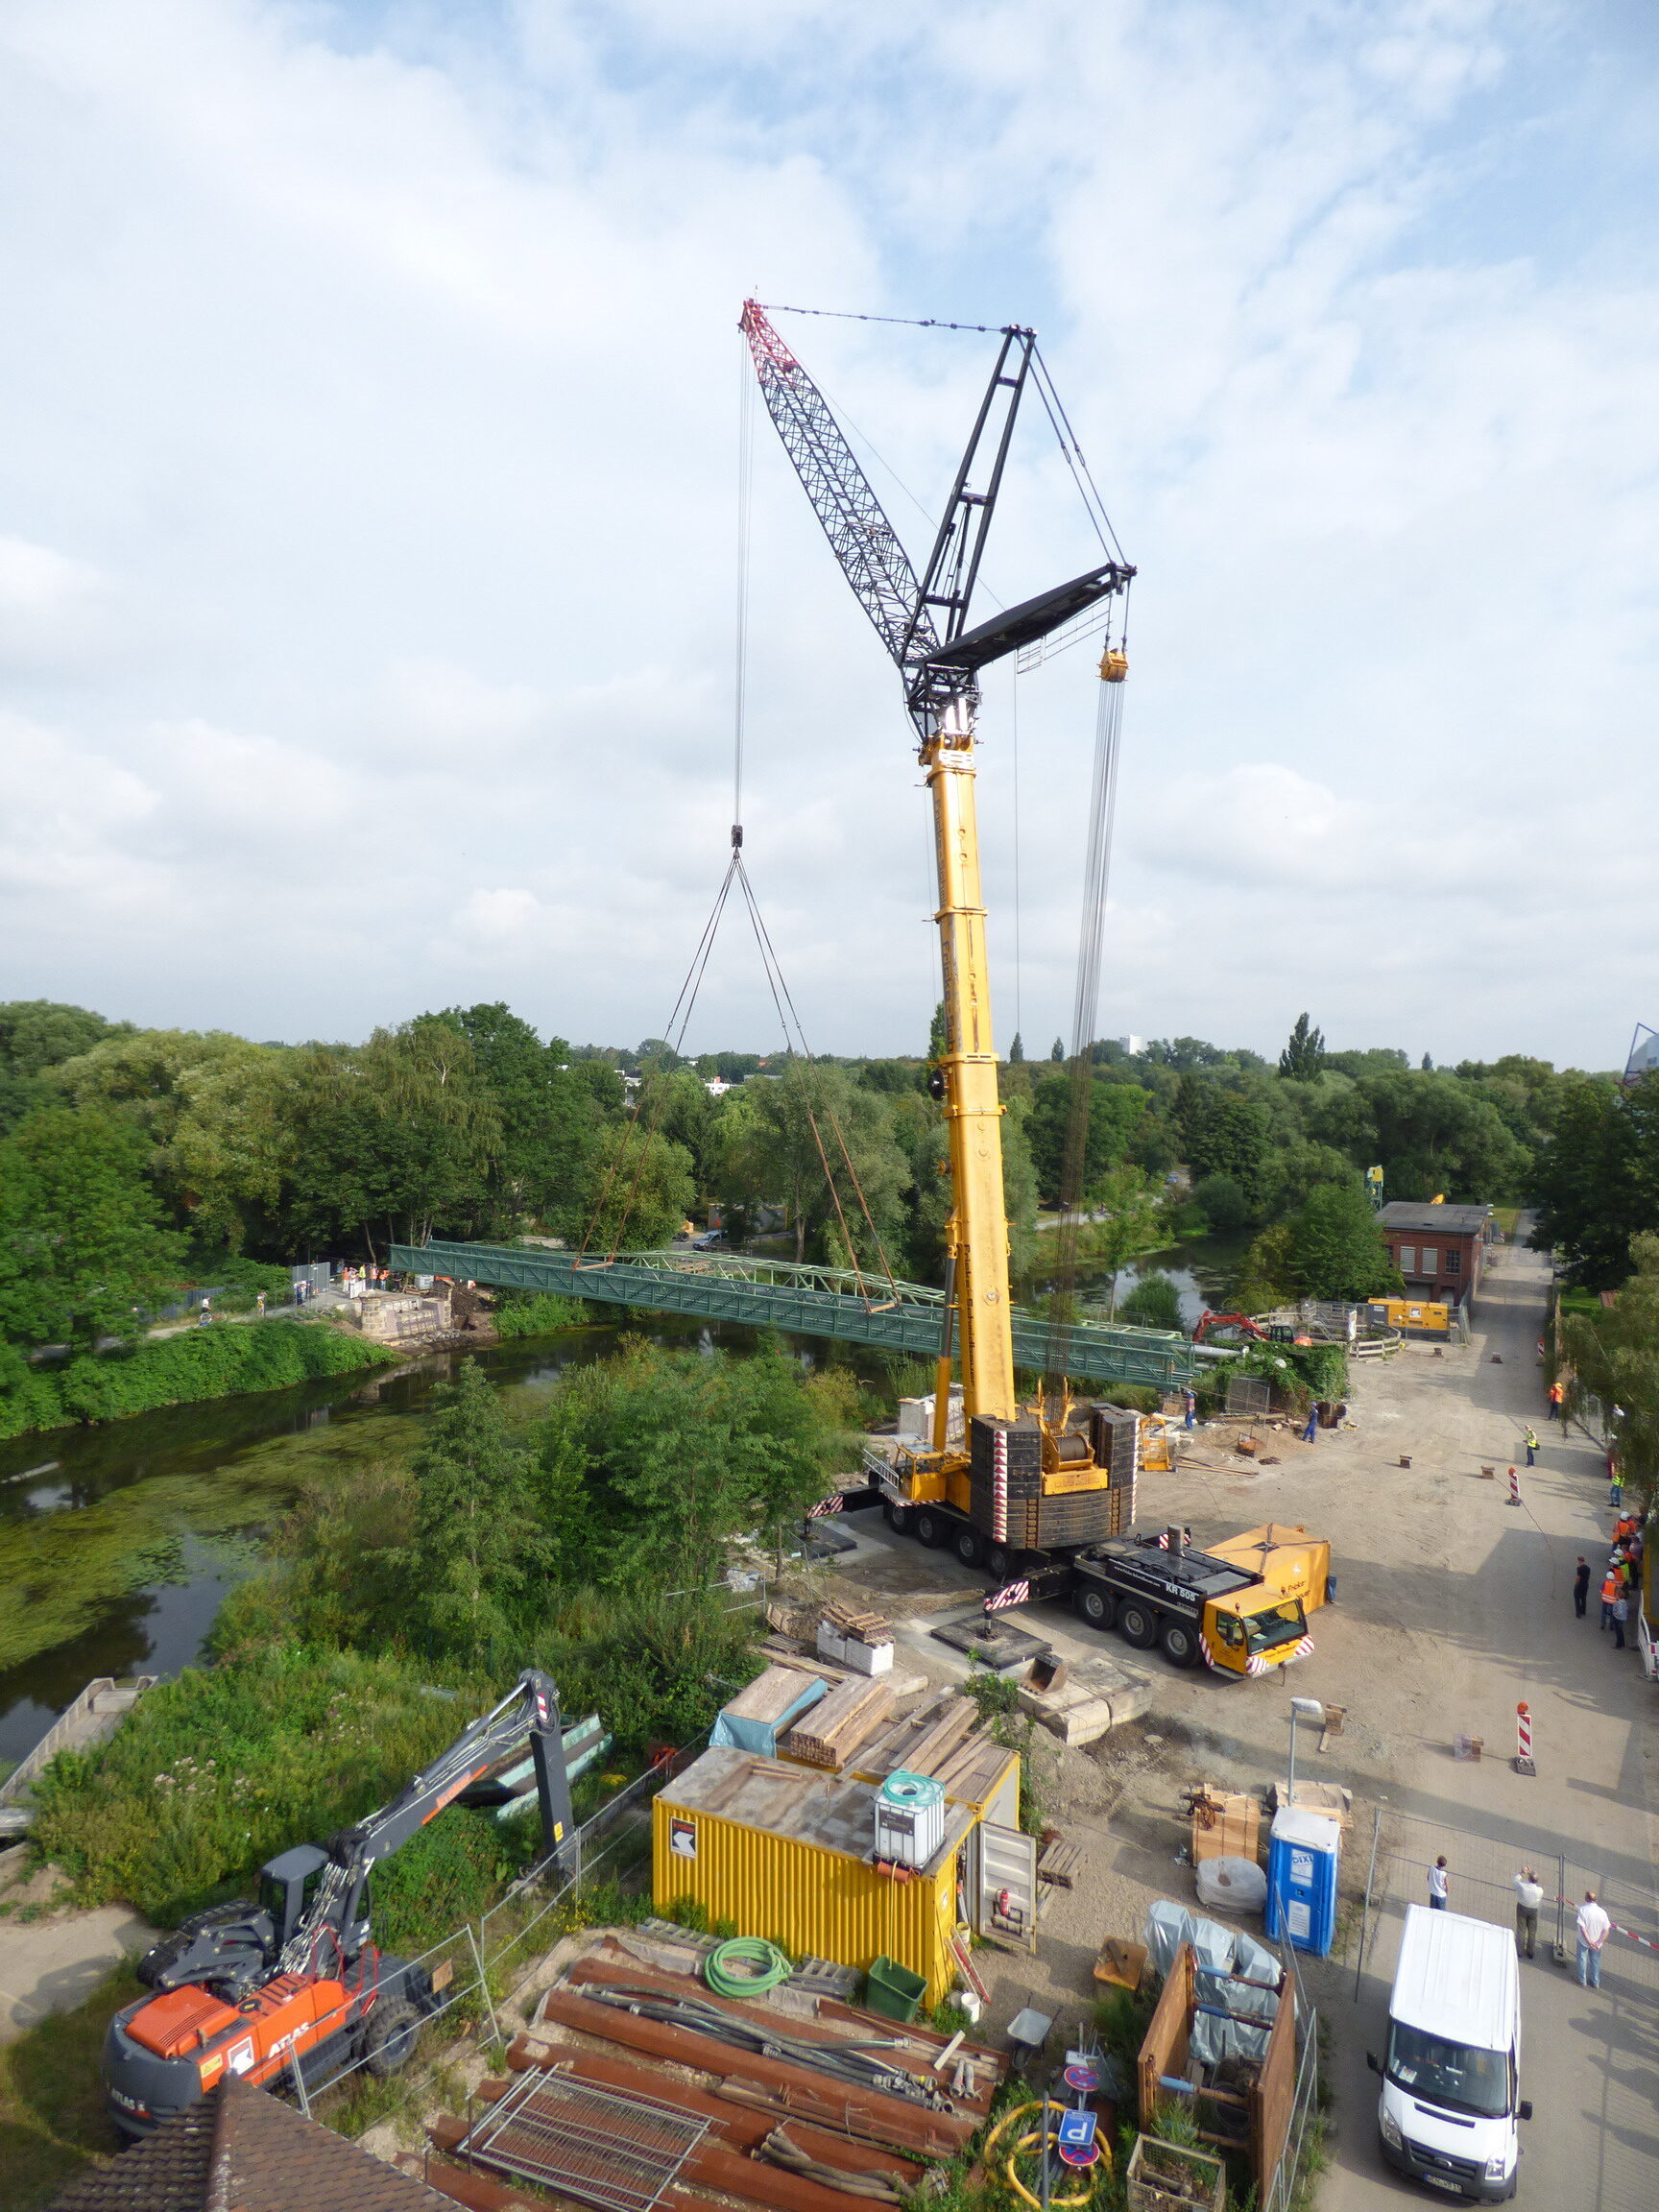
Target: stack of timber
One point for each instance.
(1226, 1824)
(835, 1729)
(944, 1738)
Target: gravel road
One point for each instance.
(1452, 1607)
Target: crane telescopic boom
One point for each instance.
(923, 624)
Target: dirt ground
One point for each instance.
(1452, 1605)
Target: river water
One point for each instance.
(118, 1543)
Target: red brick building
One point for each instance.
(1438, 1249)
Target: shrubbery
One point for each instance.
(538, 1313)
(215, 1771)
(218, 1361)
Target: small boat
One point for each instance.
(92, 1719)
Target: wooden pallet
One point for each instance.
(862, 1627)
(1060, 1864)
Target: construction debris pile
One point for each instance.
(640, 2086)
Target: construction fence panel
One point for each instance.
(1587, 2056)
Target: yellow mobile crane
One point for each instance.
(1043, 1494)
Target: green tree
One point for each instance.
(1615, 1358)
(1016, 1052)
(641, 1191)
(1222, 1133)
(210, 1105)
(36, 1036)
(677, 1452)
(1435, 1136)
(391, 1141)
(1336, 1249)
(550, 1112)
(1596, 1182)
(474, 1545)
(823, 1148)
(938, 1034)
(1304, 1056)
(1154, 1301)
(1132, 1222)
(83, 1251)
(1114, 1112)
(1057, 1052)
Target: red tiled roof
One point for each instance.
(243, 2150)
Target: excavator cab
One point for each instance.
(287, 1884)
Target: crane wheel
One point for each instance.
(969, 1547)
(1098, 1607)
(1179, 1643)
(389, 2041)
(1138, 1625)
(999, 1562)
(929, 1530)
(901, 1519)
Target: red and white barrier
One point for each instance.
(1514, 1487)
(1523, 1741)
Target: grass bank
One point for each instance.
(216, 1363)
(218, 1770)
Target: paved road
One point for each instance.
(52, 1965)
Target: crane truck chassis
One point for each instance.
(293, 1980)
(1240, 1608)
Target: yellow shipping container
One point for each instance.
(781, 1851)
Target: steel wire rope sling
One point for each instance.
(794, 1033)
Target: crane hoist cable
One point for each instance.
(1085, 1001)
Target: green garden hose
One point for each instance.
(747, 1966)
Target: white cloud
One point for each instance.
(375, 391)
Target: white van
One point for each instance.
(1451, 2080)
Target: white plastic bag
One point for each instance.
(1232, 1885)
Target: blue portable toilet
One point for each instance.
(1302, 1879)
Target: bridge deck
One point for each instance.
(802, 1301)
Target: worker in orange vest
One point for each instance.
(1555, 1396)
(1609, 1592)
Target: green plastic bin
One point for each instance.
(893, 1990)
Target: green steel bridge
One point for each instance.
(907, 1317)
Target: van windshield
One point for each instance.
(1458, 2076)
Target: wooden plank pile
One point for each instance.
(855, 1624)
(1226, 1824)
(830, 1734)
(772, 1695)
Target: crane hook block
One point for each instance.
(1113, 665)
(736, 836)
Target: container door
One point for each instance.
(1005, 1886)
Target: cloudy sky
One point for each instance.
(367, 502)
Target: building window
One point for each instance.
(1430, 1259)
(1453, 1263)
(1407, 1261)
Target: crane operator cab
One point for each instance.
(287, 1884)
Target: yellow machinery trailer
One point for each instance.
(781, 1851)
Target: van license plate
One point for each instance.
(1444, 2181)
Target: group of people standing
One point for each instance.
(1621, 1581)
(1591, 1929)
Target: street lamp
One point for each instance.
(1310, 1710)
